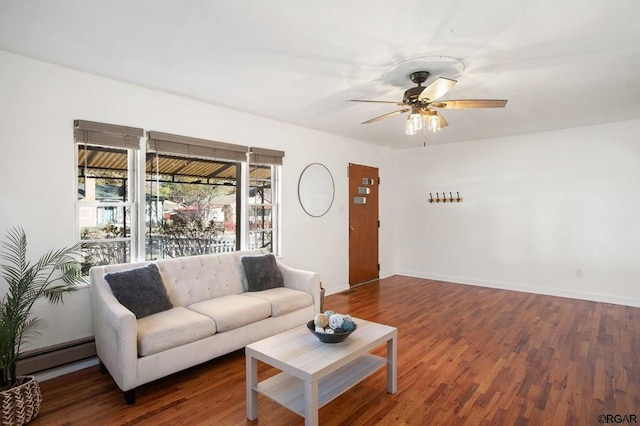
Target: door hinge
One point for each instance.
(378, 224)
(378, 267)
(378, 180)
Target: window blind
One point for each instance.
(266, 156)
(107, 134)
(175, 144)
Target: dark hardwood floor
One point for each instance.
(467, 355)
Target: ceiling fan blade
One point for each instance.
(389, 114)
(470, 103)
(377, 102)
(436, 89)
(443, 122)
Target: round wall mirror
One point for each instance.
(316, 189)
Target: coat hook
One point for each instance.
(437, 197)
(430, 198)
(458, 199)
(450, 197)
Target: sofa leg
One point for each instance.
(129, 396)
(103, 368)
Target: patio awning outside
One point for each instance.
(170, 168)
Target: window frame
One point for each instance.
(272, 205)
(151, 178)
(107, 137)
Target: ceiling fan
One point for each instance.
(421, 101)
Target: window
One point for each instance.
(263, 198)
(187, 201)
(191, 206)
(106, 195)
(261, 206)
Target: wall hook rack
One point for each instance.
(445, 198)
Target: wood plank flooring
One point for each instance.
(467, 356)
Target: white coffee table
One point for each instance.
(314, 373)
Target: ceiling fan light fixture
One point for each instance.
(410, 129)
(433, 122)
(415, 123)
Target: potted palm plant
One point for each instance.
(55, 273)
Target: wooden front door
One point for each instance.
(363, 224)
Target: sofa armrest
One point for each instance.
(115, 330)
(299, 279)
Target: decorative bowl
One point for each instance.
(329, 338)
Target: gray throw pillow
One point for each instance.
(140, 290)
(262, 272)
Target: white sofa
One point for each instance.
(212, 314)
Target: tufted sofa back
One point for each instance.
(196, 278)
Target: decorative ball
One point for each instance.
(335, 321)
(328, 331)
(348, 325)
(329, 313)
(321, 320)
(319, 330)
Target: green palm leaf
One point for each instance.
(54, 273)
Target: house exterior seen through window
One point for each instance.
(105, 206)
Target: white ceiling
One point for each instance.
(560, 63)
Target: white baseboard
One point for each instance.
(386, 274)
(594, 297)
(65, 369)
(345, 287)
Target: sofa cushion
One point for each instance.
(233, 311)
(168, 329)
(262, 272)
(193, 279)
(283, 300)
(140, 290)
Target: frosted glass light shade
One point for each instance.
(414, 123)
(433, 123)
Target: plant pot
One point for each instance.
(20, 404)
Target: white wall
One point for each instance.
(39, 103)
(555, 213)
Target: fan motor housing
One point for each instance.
(411, 95)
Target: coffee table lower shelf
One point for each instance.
(288, 390)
